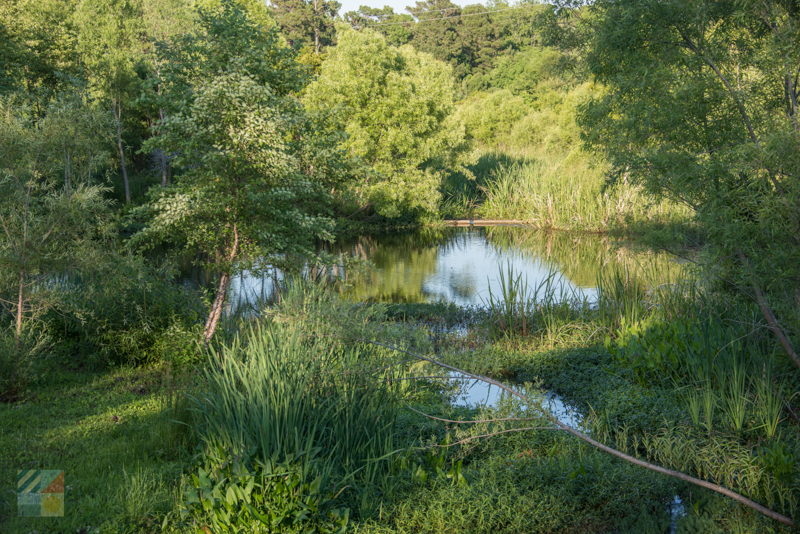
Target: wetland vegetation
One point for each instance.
(228, 301)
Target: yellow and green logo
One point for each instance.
(40, 493)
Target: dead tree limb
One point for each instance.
(769, 315)
(596, 444)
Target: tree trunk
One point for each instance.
(766, 311)
(123, 168)
(67, 171)
(216, 308)
(164, 162)
(20, 309)
(316, 26)
(215, 313)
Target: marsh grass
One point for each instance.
(277, 393)
(567, 190)
(768, 404)
(549, 310)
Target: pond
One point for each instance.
(463, 265)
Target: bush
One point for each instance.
(123, 311)
(17, 361)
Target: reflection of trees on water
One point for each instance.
(397, 268)
(583, 257)
(401, 265)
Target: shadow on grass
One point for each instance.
(461, 194)
(113, 437)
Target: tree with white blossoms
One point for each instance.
(244, 189)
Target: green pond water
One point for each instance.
(462, 266)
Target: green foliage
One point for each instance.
(20, 358)
(383, 20)
(470, 38)
(307, 24)
(527, 117)
(274, 394)
(252, 177)
(491, 116)
(395, 106)
(115, 309)
(702, 107)
(45, 227)
(228, 496)
(522, 72)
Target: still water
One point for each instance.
(462, 266)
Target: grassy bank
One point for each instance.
(111, 434)
(530, 162)
(298, 423)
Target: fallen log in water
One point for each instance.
(485, 222)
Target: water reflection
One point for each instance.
(473, 393)
(461, 265)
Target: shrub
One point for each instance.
(17, 361)
(123, 311)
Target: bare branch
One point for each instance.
(473, 421)
(489, 435)
(605, 448)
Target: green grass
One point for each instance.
(110, 434)
(303, 383)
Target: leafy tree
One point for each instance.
(38, 48)
(523, 71)
(702, 106)
(395, 106)
(163, 21)
(437, 32)
(75, 140)
(395, 27)
(110, 38)
(44, 227)
(307, 23)
(489, 117)
(243, 189)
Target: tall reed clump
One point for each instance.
(290, 422)
(544, 309)
(622, 297)
(566, 191)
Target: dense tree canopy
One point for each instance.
(241, 190)
(701, 106)
(306, 23)
(394, 105)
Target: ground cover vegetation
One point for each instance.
(152, 151)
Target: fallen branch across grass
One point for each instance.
(596, 444)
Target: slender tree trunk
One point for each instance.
(316, 26)
(164, 164)
(224, 283)
(121, 149)
(769, 315)
(20, 308)
(163, 156)
(790, 87)
(67, 171)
